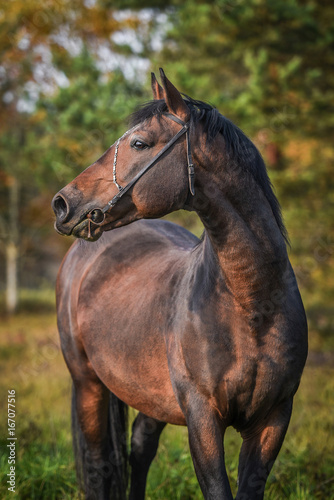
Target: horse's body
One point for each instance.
(147, 257)
(205, 333)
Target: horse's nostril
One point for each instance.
(60, 207)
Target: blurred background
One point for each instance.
(70, 74)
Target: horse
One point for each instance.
(206, 333)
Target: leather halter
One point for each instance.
(97, 215)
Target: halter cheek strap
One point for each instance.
(97, 215)
(191, 170)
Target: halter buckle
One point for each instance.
(191, 175)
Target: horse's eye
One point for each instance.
(137, 144)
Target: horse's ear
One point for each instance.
(158, 91)
(173, 98)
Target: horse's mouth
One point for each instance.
(85, 229)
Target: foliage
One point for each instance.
(42, 47)
(38, 42)
(266, 65)
(254, 58)
(269, 67)
(81, 121)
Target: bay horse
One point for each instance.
(205, 333)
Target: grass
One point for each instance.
(32, 364)
(32, 300)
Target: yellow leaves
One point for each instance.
(6, 179)
(300, 152)
(69, 144)
(98, 23)
(38, 117)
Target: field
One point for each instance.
(32, 364)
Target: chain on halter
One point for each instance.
(114, 164)
(97, 215)
(115, 158)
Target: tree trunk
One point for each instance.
(12, 248)
(11, 277)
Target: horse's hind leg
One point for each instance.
(144, 444)
(98, 462)
(258, 454)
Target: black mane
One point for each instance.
(240, 148)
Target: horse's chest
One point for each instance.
(242, 382)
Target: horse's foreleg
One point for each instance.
(206, 435)
(258, 454)
(144, 444)
(89, 428)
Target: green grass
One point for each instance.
(32, 300)
(32, 364)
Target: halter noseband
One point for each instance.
(97, 215)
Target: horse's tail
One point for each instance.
(112, 471)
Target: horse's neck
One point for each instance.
(243, 235)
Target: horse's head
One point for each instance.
(147, 172)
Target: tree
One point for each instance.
(81, 121)
(269, 66)
(248, 56)
(38, 42)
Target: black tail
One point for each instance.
(95, 477)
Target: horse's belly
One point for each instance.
(148, 390)
(131, 361)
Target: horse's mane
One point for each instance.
(240, 148)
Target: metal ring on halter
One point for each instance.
(95, 216)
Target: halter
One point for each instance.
(97, 215)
